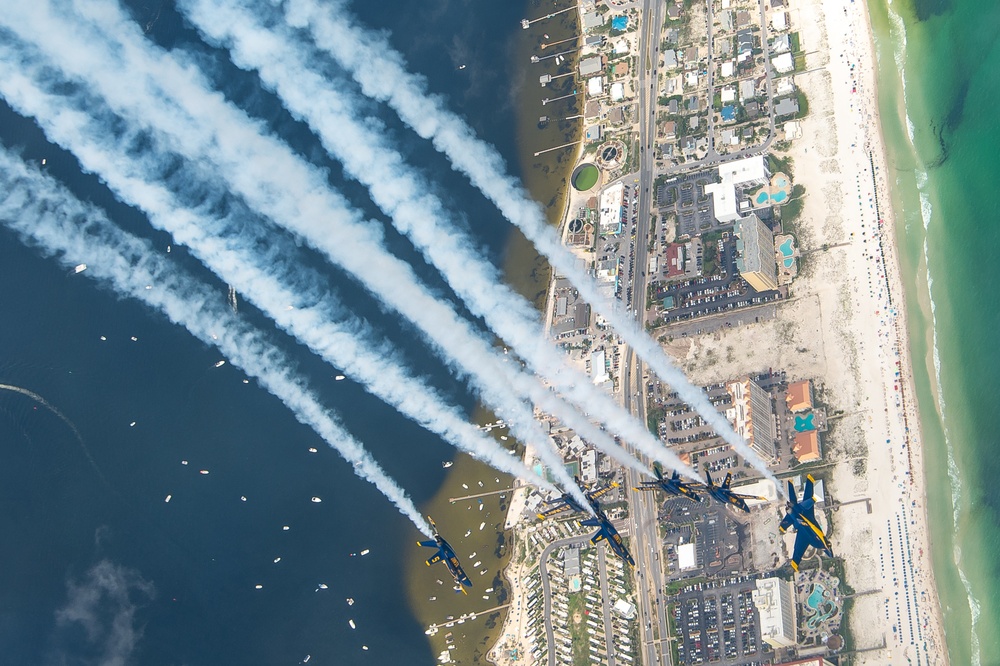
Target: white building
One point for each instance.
(748, 171)
(775, 602)
(595, 86)
(610, 208)
(617, 92)
(752, 416)
(599, 367)
(779, 20)
(783, 63)
(759, 488)
(724, 199)
(686, 558)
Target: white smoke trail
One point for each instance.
(47, 216)
(173, 101)
(285, 292)
(382, 75)
(399, 191)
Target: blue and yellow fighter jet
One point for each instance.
(566, 502)
(802, 516)
(725, 495)
(606, 531)
(446, 554)
(672, 486)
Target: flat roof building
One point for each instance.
(610, 211)
(755, 253)
(748, 171)
(686, 557)
(724, 201)
(590, 66)
(775, 602)
(787, 106)
(761, 488)
(783, 63)
(592, 20)
(752, 416)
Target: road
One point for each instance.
(643, 506)
(550, 639)
(547, 595)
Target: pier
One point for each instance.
(546, 45)
(546, 79)
(486, 494)
(433, 628)
(537, 59)
(556, 99)
(565, 145)
(525, 23)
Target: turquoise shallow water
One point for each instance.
(945, 154)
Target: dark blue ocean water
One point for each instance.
(96, 564)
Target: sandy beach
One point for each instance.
(844, 325)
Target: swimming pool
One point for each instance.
(804, 423)
(788, 263)
(779, 197)
(619, 22)
(818, 598)
(786, 247)
(762, 197)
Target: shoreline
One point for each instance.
(861, 350)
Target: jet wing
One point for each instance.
(648, 485)
(435, 559)
(746, 497)
(562, 508)
(459, 573)
(598, 537)
(786, 522)
(802, 541)
(603, 491)
(688, 490)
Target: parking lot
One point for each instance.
(717, 623)
(712, 294)
(685, 196)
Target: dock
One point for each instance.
(486, 494)
(433, 628)
(526, 23)
(565, 145)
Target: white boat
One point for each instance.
(481, 526)
(168, 498)
(340, 378)
(351, 622)
(220, 364)
(317, 500)
(446, 464)
(79, 268)
(350, 601)
(365, 551)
